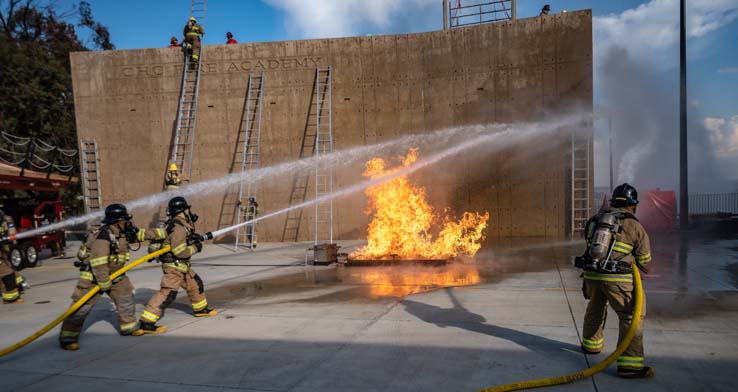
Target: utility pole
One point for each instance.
(609, 131)
(445, 14)
(514, 9)
(683, 172)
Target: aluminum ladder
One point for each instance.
(323, 146)
(301, 179)
(184, 132)
(250, 160)
(580, 182)
(90, 165)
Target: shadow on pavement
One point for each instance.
(460, 317)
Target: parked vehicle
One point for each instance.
(28, 214)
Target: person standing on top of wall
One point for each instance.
(173, 42)
(231, 40)
(545, 10)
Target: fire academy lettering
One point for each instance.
(224, 67)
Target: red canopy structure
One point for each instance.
(16, 178)
(657, 210)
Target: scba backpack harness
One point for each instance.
(601, 233)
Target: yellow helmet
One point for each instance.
(192, 18)
(173, 167)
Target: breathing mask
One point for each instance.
(131, 232)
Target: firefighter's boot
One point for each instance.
(207, 312)
(149, 328)
(645, 372)
(589, 351)
(16, 301)
(74, 346)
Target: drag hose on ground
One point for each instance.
(81, 302)
(592, 370)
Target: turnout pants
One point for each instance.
(9, 281)
(621, 297)
(176, 276)
(193, 46)
(122, 295)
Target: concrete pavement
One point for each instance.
(516, 315)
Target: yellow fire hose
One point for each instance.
(546, 382)
(81, 302)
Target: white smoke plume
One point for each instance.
(636, 80)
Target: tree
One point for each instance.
(35, 79)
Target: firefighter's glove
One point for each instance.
(131, 232)
(196, 240)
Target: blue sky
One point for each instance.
(647, 29)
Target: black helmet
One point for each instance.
(176, 205)
(547, 7)
(624, 195)
(115, 213)
(229, 35)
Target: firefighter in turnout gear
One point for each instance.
(250, 211)
(178, 273)
(193, 33)
(616, 243)
(105, 251)
(11, 282)
(172, 180)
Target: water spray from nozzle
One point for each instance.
(502, 139)
(505, 134)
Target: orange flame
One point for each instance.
(402, 219)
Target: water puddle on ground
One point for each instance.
(339, 283)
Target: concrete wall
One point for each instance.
(383, 86)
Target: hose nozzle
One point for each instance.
(201, 237)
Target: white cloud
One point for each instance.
(728, 70)
(646, 30)
(340, 18)
(723, 135)
(651, 30)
